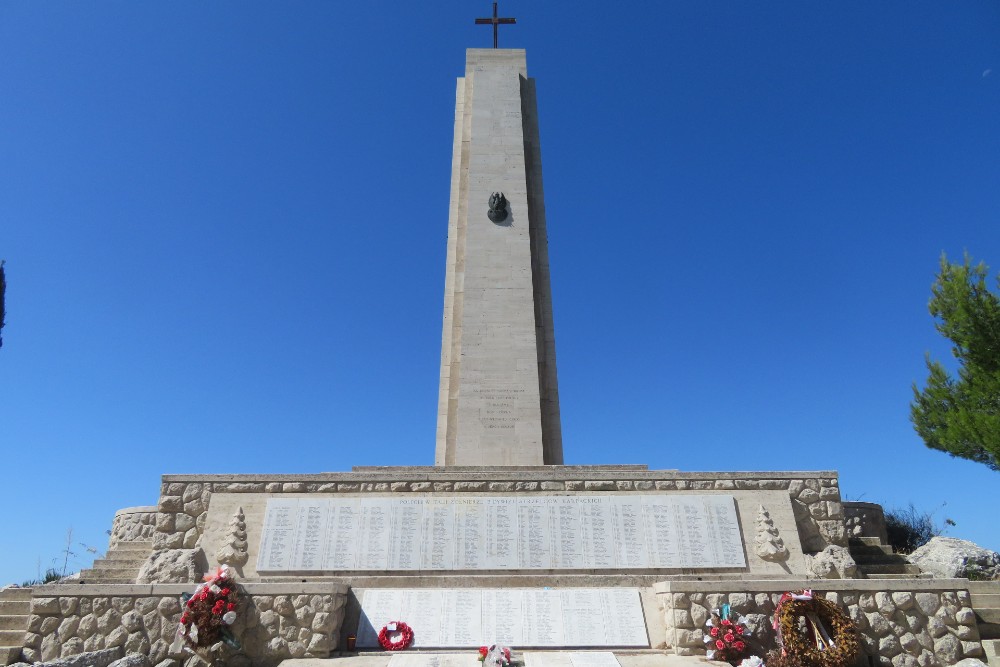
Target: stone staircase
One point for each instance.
(15, 607)
(879, 561)
(986, 604)
(119, 566)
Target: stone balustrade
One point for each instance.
(274, 622)
(925, 623)
(133, 524)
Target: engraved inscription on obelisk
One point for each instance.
(498, 401)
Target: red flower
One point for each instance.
(231, 606)
(190, 602)
(719, 644)
(727, 622)
(483, 651)
(185, 618)
(714, 632)
(740, 646)
(739, 629)
(224, 592)
(729, 637)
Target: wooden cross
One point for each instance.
(495, 22)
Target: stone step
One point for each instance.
(984, 586)
(127, 555)
(15, 594)
(15, 607)
(900, 576)
(107, 577)
(10, 654)
(987, 615)
(879, 559)
(136, 545)
(986, 600)
(989, 630)
(866, 541)
(14, 623)
(881, 569)
(991, 647)
(865, 548)
(12, 638)
(130, 564)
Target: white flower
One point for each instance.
(752, 661)
(215, 589)
(710, 655)
(229, 617)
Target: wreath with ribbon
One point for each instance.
(829, 638)
(404, 640)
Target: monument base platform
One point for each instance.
(469, 659)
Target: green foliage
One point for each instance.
(976, 573)
(51, 575)
(961, 415)
(911, 528)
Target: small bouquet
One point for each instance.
(210, 610)
(494, 656)
(726, 638)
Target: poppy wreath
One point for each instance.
(405, 639)
(803, 647)
(210, 610)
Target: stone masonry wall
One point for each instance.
(183, 504)
(901, 628)
(133, 524)
(865, 520)
(66, 620)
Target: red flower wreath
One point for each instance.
(405, 640)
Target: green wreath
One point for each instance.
(803, 646)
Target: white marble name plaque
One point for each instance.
(473, 617)
(434, 660)
(501, 533)
(571, 659)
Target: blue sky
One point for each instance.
(225, 224)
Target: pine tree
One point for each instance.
(961, 415)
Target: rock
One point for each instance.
(43, 606)
(173, 566)
(102, 658)
(950, 557)
(970, 662)
(131, 660)
(928, 602)
(947, 649)
(833, 562)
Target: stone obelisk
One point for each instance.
(499, 400)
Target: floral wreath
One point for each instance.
(404, 640)
(210, 610)
(830, 639)
(726, 638)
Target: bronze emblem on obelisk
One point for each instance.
(498, 207)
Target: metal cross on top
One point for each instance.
(495, 22)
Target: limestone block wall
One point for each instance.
(815, 496)
(915, 623)
(865, 520)
(273, 623)
(133, 524)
